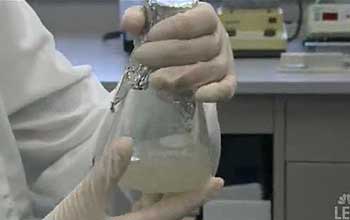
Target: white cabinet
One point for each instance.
(313, 190)
(318, 129)
(247, 115)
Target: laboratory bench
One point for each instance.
(307, 114)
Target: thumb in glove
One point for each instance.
(88, 200)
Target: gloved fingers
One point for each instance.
(192, 77)
(88, 200)
(146, 201)
(199, 21)
(167, 53)
(113, 163)
(178, 206)
(224, 89)
(217, 91)
(133, 20)
(194, 212)
(193, 23)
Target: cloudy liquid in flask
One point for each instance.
(168, 165)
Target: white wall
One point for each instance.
(77, 17)
(99, 16)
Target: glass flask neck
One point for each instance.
(136, 75)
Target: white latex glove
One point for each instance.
(173, 206)
(88, 200)
(190, 52)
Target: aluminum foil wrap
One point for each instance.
(157, 10)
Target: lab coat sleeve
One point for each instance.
(57, 112)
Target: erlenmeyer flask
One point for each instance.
(171, 143)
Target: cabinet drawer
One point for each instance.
(313, 190)
(318, 129)
(246, 115)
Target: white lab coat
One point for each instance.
(52, 117)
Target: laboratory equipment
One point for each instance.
(172, 150)
(315, 63)
(255, 30)
(328, 24)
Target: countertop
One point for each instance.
(255, 76)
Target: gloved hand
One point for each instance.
(88, 200)
(190, 51)
(173, 206)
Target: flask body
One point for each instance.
(172, 151)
